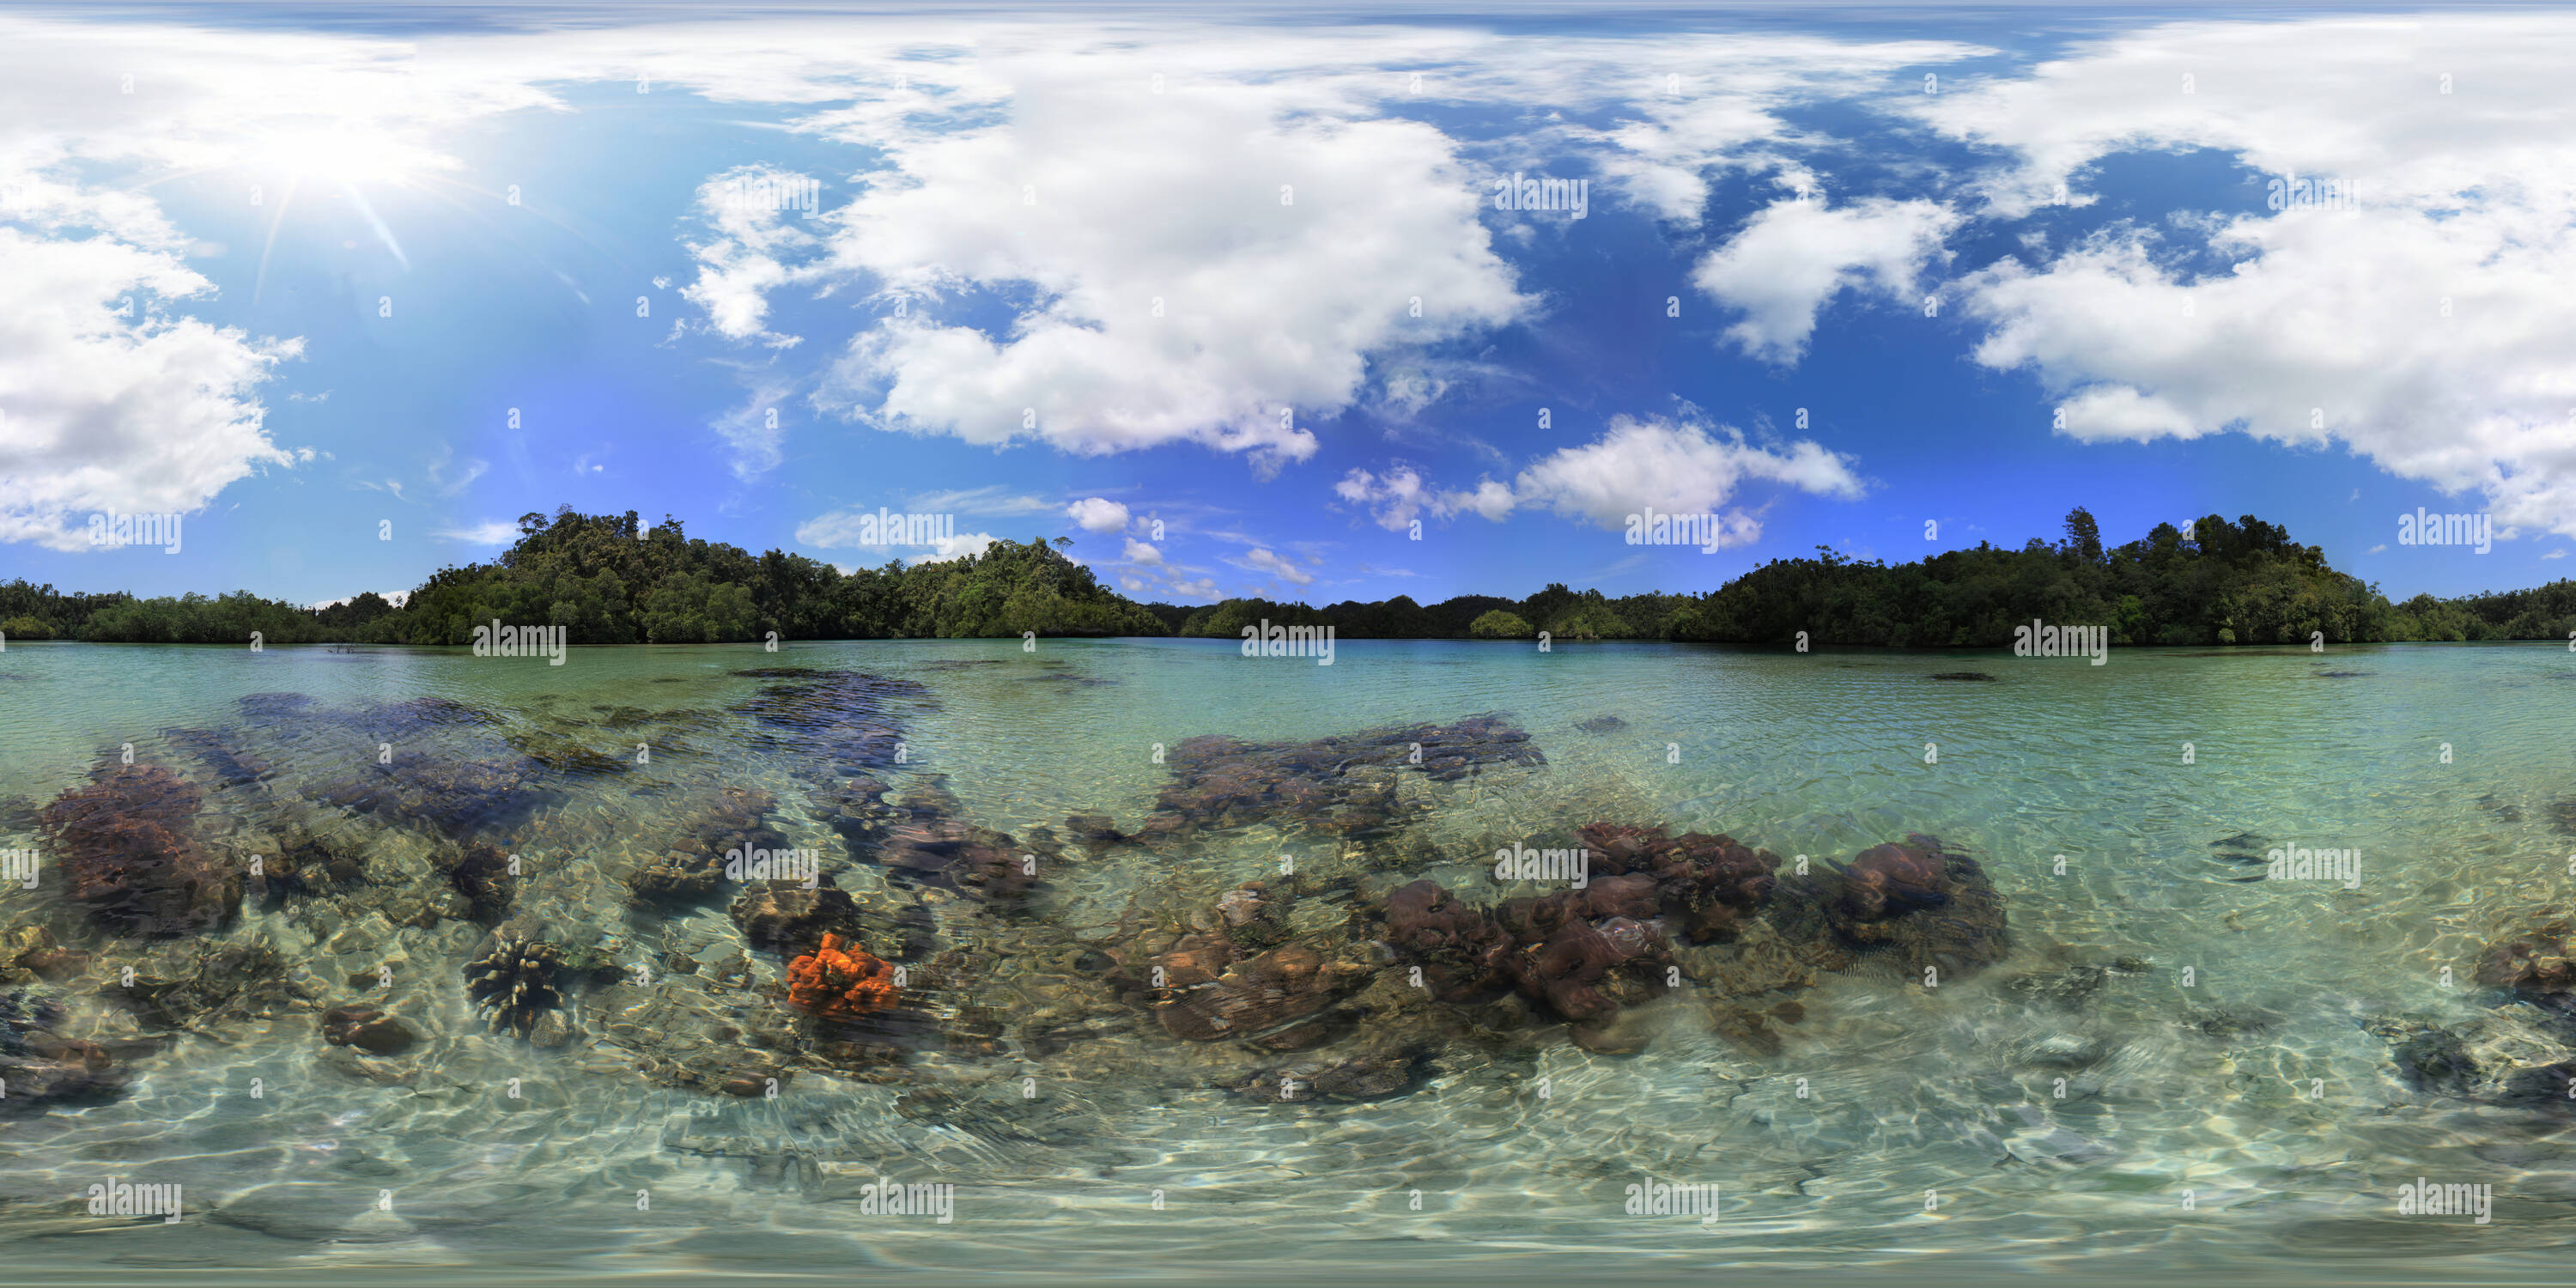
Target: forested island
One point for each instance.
(607, 580)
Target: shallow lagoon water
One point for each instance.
(2245, 1123)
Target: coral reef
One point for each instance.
(516, 983)
(690, 867)
(841, 985)
(1931, 905)
(1343, 785)
(457, 797)
(127, 855)
(482, 875)
(844, 720)
(1708, 884)
(930, 844)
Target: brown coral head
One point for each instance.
(1887, 879)
(838, 984)
(2536, 964)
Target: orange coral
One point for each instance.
(841, 985)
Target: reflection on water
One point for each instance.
(1155, 1012)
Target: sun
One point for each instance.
(338, 153)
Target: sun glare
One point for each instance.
(340, 154)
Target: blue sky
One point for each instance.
(332, 308)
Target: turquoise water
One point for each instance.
(2225, 1108)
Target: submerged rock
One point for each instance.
(368, 1029)
(40, 1067)
(1366, 1076)
(457, 797)
(1344, 785)
(691, 866)
(847, 720)
(127, 855)
(2516, 1055)
(2536, 966)
(1280, 1000)
(483, 876)
(927, 843)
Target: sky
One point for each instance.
(1253, 304)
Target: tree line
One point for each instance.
(606, 580)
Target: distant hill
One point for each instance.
(606, 581)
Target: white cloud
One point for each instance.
(111, 400)
(1674, 467)
(1261, 559)
(991, 498)
(754, 430)
(1138, 552)
(1400, 494)
(1393, 499)
(1491, 500)
(1796, 256)
(1097, 514)
(2424, 330)
(1725, 114)
(740, 263)
(498, 532)
(963, 545)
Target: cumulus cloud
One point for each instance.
(1097, 514)
(746, 210)
(1676, 131)
(1261, 559)
(110, 405)
(1393, 499)
(1138, 552)
(963, 545)
(1796, 256)
(2423, 329)
(1677, 467)
(1400, 494)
